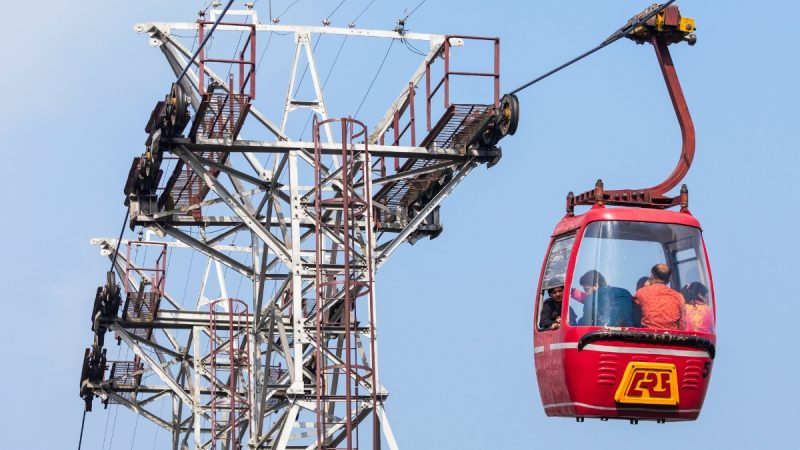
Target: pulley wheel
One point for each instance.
(509, 114)
(176, 107)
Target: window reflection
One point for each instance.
(556, 268)
(550, 299)
(614, 262)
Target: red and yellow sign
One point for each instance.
(649, 383)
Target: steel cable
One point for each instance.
(325, 83)
(108, 413)
(335, 9)
(83, 421)
(413, 10)
(617, 35)
(374, 78)
(313, 50)
(108, 416)
(119, 241)
(235, 52)
(353, 23)
(135, 427)
(158, 430)
(113, 426)
(305, 69)
(412, 48)
(278, 17)
(188, 274)
(205, 39)
(113, 260)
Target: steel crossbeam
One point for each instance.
(394, 151)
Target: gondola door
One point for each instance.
(547, 331)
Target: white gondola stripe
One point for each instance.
(607, 408)
(538, 349)
(641, 350)
(647, 351)
(563, 345)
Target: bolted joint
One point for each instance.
(598, 192)
(570, 204)
(684, 198)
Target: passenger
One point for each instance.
(637, 310)
(662, 306)
(605, 305)
(550, 317)
(696, 311)
(578, 295)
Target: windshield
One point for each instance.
(643, 275)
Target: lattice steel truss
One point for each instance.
(294, 363)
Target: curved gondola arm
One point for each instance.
(681, 111)
(665, 28)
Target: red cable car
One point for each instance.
(632, 283)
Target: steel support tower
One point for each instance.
(293, 363)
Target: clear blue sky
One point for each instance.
(455, 324)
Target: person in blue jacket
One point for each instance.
(605, 306)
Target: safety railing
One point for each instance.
(444, 82)
(246, 61)
(142, 300)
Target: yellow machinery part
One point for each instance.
(686, 24)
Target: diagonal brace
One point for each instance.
(251, 221)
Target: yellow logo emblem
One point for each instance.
(649, 383)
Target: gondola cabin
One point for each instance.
(614, 352)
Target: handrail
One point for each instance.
(247, 77)
(445, 80)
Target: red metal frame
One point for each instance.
(400, 129)
(458, 126)
(229, 328)
(220, 116)
(248, 47)
(681, 111)
(447, 73)
(127, 376)
(342, 278)
(159, 270)
(143, 306)
(561, 370)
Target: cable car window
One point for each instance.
(555, 271)
(615, 259)
(690, 259)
